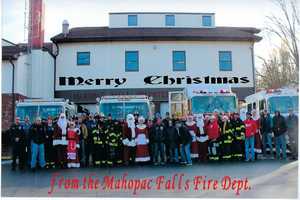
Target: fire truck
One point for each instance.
(119, 106)
(44, 108)
(274, 99)
(200, 99)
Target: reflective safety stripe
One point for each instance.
(97, 162)
(214, 158)
(109, 162)
(103, 161)
(229, 156)
(119, 161)
(238, 155)
(98, 142)
(227, 141)
(112, 144)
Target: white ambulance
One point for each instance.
(199, 99)
(121, 105)
(274, 99)
(44, 108)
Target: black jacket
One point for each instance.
(184, 135)
(17, 131)
(279, 125)
(158, 133)
(38, 133)
(172, 138)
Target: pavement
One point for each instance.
(259, 179)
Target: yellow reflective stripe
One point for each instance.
(97, 162)
(109, 162)
(119, 161)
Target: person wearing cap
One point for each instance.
(128, 140)
(194, 132)
(38, 136)
(60, 141)
(292, 130)
(266, 131)
(238, 142)
(142, 141)
(213, 132)
(250, 131)
(73, 146)
(18, 140)
(49, 148)
(279, 130)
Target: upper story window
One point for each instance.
(170, 20)
(83, 58)
(225, 61)
(132, 20)
(206, 21)
(131, 61)
(179, 61)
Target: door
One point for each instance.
(164, 107)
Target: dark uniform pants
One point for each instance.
(18, 151)
(49, 155)
(214, 150)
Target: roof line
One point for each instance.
(177, 13)
(9, 42)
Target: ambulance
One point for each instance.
(200, 99)
(119, 106)
(274, 99)
(44, 108)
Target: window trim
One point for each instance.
(220, 52)
(166, 16)
(138, 61)
(173, 61)
(128, 16)
(77, 54)
(204, 16)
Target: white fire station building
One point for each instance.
(139, 53)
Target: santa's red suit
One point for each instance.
(73, 146)
(142, 140)
(59, 140)
(194, 132)
(203, 138)
(129, 145)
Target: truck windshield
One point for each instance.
(30, 111)
(53, 111)
(283, 103)
(140, 107)
(204, 104)
(115, 109)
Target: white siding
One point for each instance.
(155, 58)
(158, 20)
(6, 77)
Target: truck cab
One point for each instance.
(44, 108)
(119, 106)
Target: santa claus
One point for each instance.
(194, 132)
(129, 147)
(142, 141)
(73, 146)
(59, 140)
(202, 139)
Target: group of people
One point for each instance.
(96, 140)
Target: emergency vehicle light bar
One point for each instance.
(121, 97)
(46, 100)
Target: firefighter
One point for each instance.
(49, 148)
(17, 135)
(99, 144)
(226, 138)
(113, 131)
(238, 137)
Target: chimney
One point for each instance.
(65, 27)
(36, 24)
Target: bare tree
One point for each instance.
(282, 66)
(285, 25)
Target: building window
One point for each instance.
(131, 61)
(225, 61)
(179, 63)
(206, 21)
(132, 20)
(170, 20)
(83, 58)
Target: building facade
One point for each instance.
(152, 54)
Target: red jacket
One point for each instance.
(213, 130)
(251, 127)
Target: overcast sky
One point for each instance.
(245, 13)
